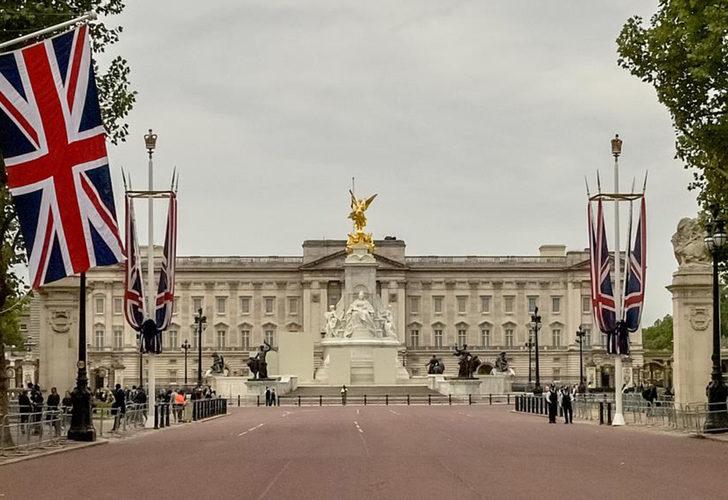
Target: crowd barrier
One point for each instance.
(379, 399)
(21, 433)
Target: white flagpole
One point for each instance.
(89, 16)
(618, 378)
(151, 142)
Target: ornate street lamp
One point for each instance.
(185, 347)
(717, 392)
(200, 321)
(529, 345)
(536, 325)
(580, 335)
(150, 141)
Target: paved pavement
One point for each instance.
(380, 452)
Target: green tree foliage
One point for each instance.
(18, 18)
(659, 335)
(683, 54)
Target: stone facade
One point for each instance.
(437, 301)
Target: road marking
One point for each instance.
(285, 414)
(357, 427)
(393, 412)
(251, 430)
(273, 480)
(357, 411)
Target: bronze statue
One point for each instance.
(218, 366)
(467, 363)
(258, 365)
(501, 362)
(435, 366)
(357, 215)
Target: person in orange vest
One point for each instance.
(179, 403)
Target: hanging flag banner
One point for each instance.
(53, 142)
(634, 287)
(134, 305)
(165, 290)
(602, 295)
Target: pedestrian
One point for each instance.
(26, 407)
(180, 403)
(53, 415)
(267, 396)
(273, 397)
(36, 398)
(567, 397)
(140, 398)
(118, 407)
(552, 399)
(344, 392)
(67, 401)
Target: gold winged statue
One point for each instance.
(357, 215)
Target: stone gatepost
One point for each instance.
(691, 312)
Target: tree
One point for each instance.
(683, 54)
(17, 18)
(658, 337)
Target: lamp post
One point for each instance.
(81, 428)
(186, 347)
(529, 345)
(580, 335)
(200, 320)
(150, 142)
(536, 324)
(717, 392)
(141, 360)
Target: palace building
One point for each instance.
(485, 302)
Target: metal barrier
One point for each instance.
(385, 399)
(206, 408)
(28, 431)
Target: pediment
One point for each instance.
(336, 261)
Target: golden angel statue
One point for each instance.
(358, 216)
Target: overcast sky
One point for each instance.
(474, 121)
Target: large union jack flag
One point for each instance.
(134, 306)
(634, 285)
(602, 296)
(165, 290)
(52, 139)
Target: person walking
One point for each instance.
(344, 392)
(267, 396)
(273, 397)
(552, 400)
(26, 407)
(53, 414)
(36, 399)
(118, 407)
(567, 397)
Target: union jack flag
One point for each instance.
(52, 138)
(134, 306)
(602, 296)
(165, 290)
(634, 291)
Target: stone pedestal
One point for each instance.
(692, 334)
(459, 386)
(360, 273)
(359, 362)
(295, 355)
(282, 385)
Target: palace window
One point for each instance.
(509, 337)
(221, 339)
(555, 305)
(462, 337)
(196, 304)
(118, 338)
(173, 376)
(438, 338)
(173, 340)
(245, 339)
(414, 338)
(99, 338)
(414, 303)
(437, 304)
(485, 337)
(244, 305)
(556, 337)
(587, 337)
(221, 305)
(193, 336)
(269, 304)
(99, 305)
(556, 373)
(532, 303)
(586, 305)
(293, 305)
(485, 304)
(508, 303)
(118, 305)
(270, 337)
(333, 292)
(462, 304)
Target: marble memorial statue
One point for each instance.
(331, 322)
(388, 322)
(218, 366)
(435, 366)
(689, 245)
(359, 316)
(361, 319)
(358, 217)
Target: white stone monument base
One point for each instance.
(360, 361)
(282, 385)
(459, 386)
(483, 385)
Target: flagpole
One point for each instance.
(618, 376)
(151, 142)
(81, 428)
(89, 16)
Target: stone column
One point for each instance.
(692, 340)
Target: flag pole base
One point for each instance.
(618, 420)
